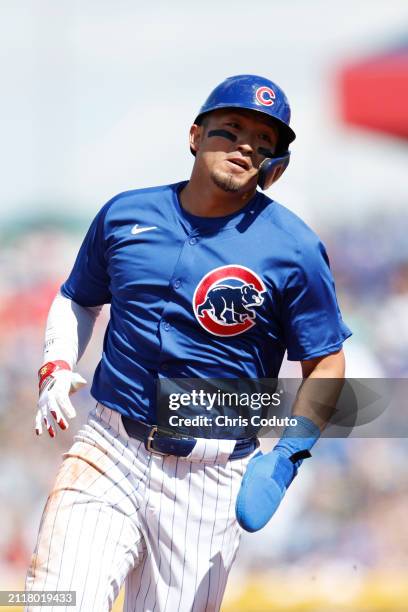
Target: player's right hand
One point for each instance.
(56, 383)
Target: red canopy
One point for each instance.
(374, 93)
(27, 307)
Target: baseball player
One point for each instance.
(205, 278)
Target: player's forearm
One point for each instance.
(69, 329)
(320, 389)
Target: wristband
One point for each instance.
(297, 440)
(47, 370)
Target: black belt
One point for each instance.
(163, 442)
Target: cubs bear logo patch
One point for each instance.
(226, 299)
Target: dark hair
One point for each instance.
(203, 120)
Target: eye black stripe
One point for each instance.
(265, 152)
(223, 134)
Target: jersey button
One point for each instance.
(166, 326)
(177, 284)
(192, 241)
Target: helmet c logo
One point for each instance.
(265, 96)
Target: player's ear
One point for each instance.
(195, 137)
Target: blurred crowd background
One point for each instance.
(99, 100)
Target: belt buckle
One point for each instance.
(149, 442)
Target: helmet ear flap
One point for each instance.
(271, 169)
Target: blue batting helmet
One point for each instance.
(257, 94)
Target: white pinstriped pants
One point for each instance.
(166, 525)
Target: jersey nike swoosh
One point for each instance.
(138, 230)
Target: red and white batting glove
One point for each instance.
(56, 383)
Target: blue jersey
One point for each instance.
(201, 297)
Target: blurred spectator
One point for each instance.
(391, 323)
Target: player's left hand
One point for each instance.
(268, 477)
(262, 489)
(56, 382)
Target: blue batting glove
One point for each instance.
(268, 476)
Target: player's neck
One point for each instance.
(204, 199)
